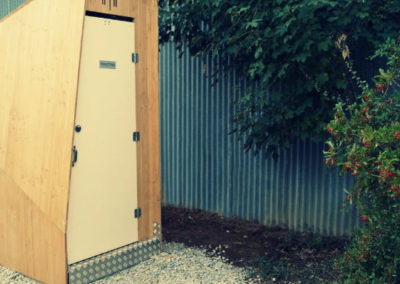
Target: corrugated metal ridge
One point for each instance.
(205, 168)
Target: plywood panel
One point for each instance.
(146, 20)
(40, 50)
(29, 242)
(123, 8)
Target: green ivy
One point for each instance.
(288, 53)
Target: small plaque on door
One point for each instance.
(108, 64)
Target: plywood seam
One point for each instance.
(8, 178)
(73, 130)
(16, 10)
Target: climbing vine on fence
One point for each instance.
(289, 52)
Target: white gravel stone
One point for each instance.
(11, 277)
(177, 264)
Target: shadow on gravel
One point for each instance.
(280, 256)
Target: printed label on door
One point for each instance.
(108, 64)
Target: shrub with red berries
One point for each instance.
(365, 142)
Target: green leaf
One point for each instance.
(341, 84)
(323, 45)
(322, 78)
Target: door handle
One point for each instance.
(75, 156)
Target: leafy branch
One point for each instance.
(287, 53)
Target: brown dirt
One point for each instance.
(276, 253)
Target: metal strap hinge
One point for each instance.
(135, 57)
(136, 136)
(138, 213)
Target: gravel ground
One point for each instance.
(178, 264)
(8, 276)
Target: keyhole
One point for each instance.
(78, 128)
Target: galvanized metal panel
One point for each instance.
(6, 6)
(205, 168)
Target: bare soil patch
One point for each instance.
(277, 254)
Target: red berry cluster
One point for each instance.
(396, 190)
(384, 173)
(366, 144)
(329, 129)
(381, 87)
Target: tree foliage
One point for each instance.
(290, 52)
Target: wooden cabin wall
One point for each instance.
(145, 13)
(40, 52)
(148, 115)
(124, 7)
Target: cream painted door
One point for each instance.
(103, 193)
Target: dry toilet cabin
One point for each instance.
(79, 138)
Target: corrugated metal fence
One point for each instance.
(6, 6)
(205, 168)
